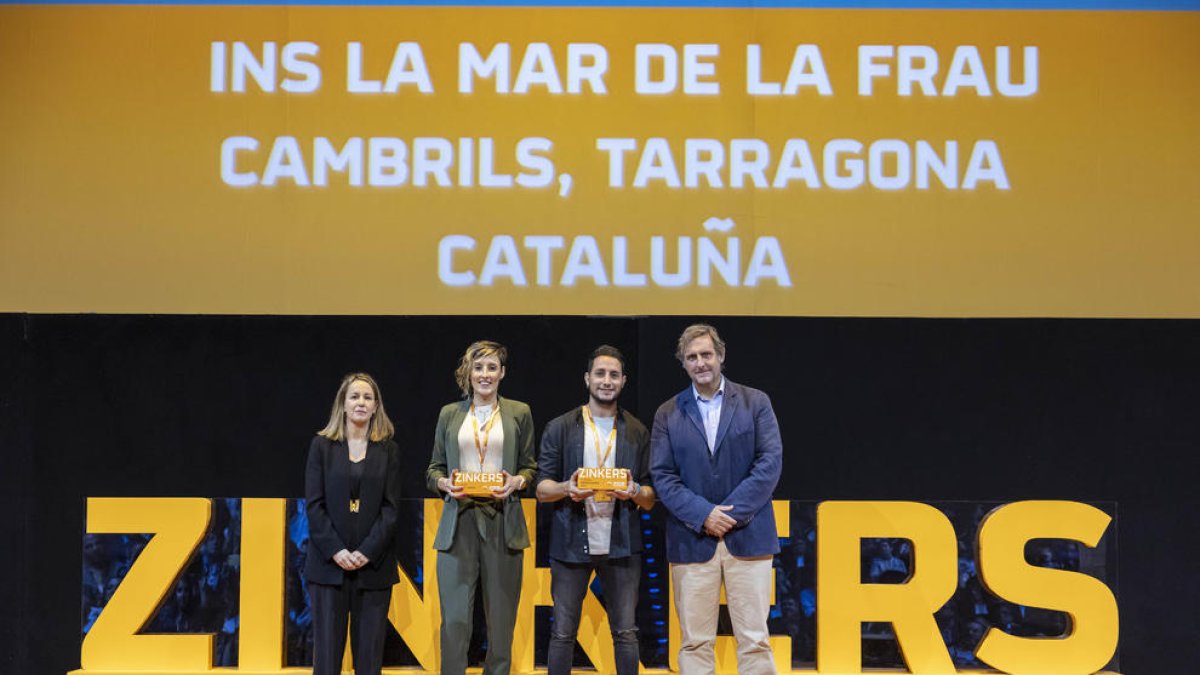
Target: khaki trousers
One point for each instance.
(697, 588)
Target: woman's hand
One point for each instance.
(447, 485)
(345, 560)
(511, 485)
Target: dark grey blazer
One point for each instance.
(518, 459)
(331, 526)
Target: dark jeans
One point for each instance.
(569, 585)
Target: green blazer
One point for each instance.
(518, 460)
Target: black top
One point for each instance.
(357, 469)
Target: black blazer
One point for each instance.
(331, 526)
(562, 453)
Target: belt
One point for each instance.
(487, 507)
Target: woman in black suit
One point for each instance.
(351, 490)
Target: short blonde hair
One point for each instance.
(380, 429)
(477, 350)
(698, 330)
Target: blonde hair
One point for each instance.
(699, 330)
(477, 350)
(380, 428)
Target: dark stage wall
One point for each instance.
(925, 410)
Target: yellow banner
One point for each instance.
(425, 160)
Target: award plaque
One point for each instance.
(479, 483)
(602, 479)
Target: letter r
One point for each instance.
(846, 602)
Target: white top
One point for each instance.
(468, 455)
(599, 514)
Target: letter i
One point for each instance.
(216, 76)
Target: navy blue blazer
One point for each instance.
(742, 472)
(561, 454)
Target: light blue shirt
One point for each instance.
(710, 413)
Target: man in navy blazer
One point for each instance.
(715, 458)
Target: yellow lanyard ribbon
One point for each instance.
(612, 437)
(481, 446)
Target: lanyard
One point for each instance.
(481, 446)
(612, 437)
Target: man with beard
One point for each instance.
(595, 530)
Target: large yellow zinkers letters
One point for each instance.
(417, 616)
(113, 646)
(844, 602)
(1092, 638)
(113, 643)
(263, 563)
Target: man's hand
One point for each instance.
(718, 522)
(631, 488)
(573, 491)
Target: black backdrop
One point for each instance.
(1088, 410)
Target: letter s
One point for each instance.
(1092, 638)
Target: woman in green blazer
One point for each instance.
(481, 538)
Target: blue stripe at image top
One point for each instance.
(1095, 5)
